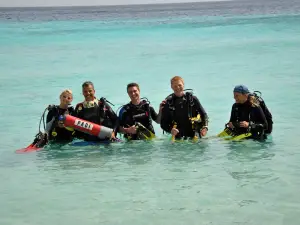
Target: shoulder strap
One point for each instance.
(170, 97)
(190, 98)
(170, 101)
(101, 102)
(191, 103)
(123, 108)
(146, 105)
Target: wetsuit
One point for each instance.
(143, 113)
(252, 114)
(179, 110)
(55, 132)
(100, 113)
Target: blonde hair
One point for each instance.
(68, 91)
(177, 78)
(253, 101)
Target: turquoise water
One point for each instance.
(211, 182)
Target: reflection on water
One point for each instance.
(245, 160)
(249, 150)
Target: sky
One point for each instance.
(30, 3)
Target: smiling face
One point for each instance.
(66, 98)
(88, 92)
(178, 87)
(239, 97)
(134, 94)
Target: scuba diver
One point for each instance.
(54, 129)
(136, 116)
(95, 111)
(247, 116)
(183, 115)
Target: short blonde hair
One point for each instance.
(177, 78)
(68, 91)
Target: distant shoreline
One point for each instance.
(118, 5)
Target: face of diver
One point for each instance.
(178, 88)
(66, 98)
(88, 93)
(239, 97)
(134, 94)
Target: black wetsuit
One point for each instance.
(101, 114)
(55, 132)
(252, 114)
(179, 110)
(142, 113)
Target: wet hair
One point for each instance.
(177, 78)
(68, 91)
(87, 83)
(133, 85)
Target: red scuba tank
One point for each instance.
(86, 126)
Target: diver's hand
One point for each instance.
(174, 131)
(130, 130)
(42, 141)
(244, 124)
(161, 105)
(203, 131)
(113, 136)
(230, 124)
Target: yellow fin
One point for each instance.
(144, 132)
(239, 137)
(224, 133)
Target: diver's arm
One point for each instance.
(261, 119)
(165, 122)
(121, 118)
(156, 117)
(201, 111)
(232, 115)
(113, 117)
(122, 113)
(129, 129)
(51, 116)
(233, 119)
(161, 106)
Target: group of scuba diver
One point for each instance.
(180, 114)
